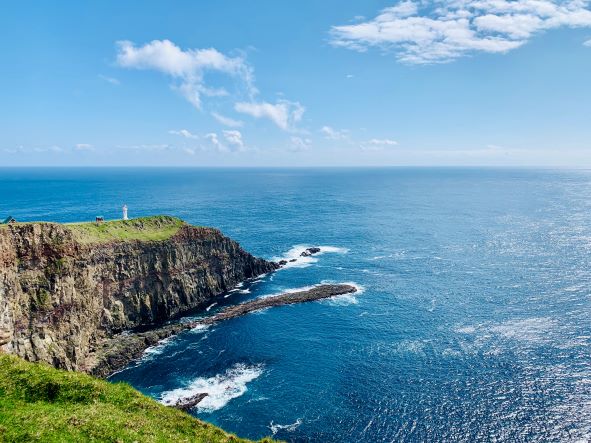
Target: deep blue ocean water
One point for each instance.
(473, 323)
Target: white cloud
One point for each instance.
(234, 138)
(300, 144)
(56, 149)
(147, 147)
(376, 144)
(189, 151)
(186, 66)
(184, 133)
(111, 80)
(587, 43)
(436, 31)
(84, 147)
(334, 134)
(227, 121)
(17, 150)
(284, 114)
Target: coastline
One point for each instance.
(122, 349)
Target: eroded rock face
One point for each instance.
(60, 299)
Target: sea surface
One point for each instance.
(473, 319)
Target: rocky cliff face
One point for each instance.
(60, 298)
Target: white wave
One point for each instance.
(210, 306)
(200, 328)
(290, 291)
(295, 253)
(289, 428)
(244, 291)
(333, 250)
(260, 311)
(220, 389)
(158, 348)
(345, 299)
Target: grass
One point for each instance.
(41, 404)
(156, 228)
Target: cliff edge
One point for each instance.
(66, 288)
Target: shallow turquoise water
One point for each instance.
(473, 323)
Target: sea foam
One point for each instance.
(289, 428)
(220, 389)
(303, 262)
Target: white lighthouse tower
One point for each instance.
(125, 212)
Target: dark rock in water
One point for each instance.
(119, 351)
(290, 298)
(293, 259)
(282, 262)
(310, 251)
(185, 404)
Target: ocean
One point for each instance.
(472, 320)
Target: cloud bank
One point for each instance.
(437, 31)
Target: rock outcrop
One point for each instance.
(62, 298)
(120, 350)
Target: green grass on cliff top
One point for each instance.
(41, 404)
(156, 228)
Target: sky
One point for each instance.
(306, 83)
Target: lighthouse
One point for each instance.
(125, 212)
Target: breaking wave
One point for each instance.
(289, 428)
(346, 299)
(295, 253)
(220, 388)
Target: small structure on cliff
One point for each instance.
(8, 220)
(125, 212)
(99, 219)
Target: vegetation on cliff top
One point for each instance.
(40, 403)
(156, 228)
(153, 228)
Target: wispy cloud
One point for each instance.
(111, 80)
(54, 148)
(147, 147)
(227, 121)
(299, 144)
(334, 134)
(186, 66)
(376, 144)
(183, 133)
(436, 31)
(84, 147)
(284, 114)
(587, 43)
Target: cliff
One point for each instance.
(65, 289)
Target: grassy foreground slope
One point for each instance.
(41, 404)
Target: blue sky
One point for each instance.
(307, 83)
